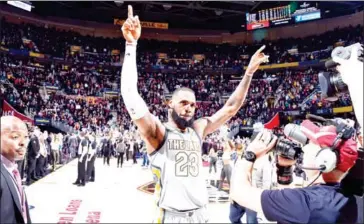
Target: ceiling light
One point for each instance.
(167, 7)
(218, 12)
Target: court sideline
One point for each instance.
(112, 198)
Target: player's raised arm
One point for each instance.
(149, 126)
(237, 98)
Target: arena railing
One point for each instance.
(39, 57)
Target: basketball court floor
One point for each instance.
(119, 195)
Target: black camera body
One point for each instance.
(331, 83)
(287, 149)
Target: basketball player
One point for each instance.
(175, 147)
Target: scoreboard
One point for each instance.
(282, 15)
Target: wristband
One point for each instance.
(134, 43)
(249, 74)
(250, 156)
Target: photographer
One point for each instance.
(323, 202)
(345, 75)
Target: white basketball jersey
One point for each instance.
(177, 169)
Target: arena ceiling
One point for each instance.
(221, 15)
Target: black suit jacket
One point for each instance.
(136, 147)
(33, 147)
(10, 206)
(107, 147)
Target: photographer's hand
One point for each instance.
(262, 143)
(242, 191)
(352, 68)
(352, 74)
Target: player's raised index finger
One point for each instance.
(130, 11)
(260, 49)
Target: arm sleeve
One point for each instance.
(135, 105)
(286, 206)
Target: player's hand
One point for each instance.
(257, 59)
(131, 27)
(262, 143)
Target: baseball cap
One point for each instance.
(325, 137)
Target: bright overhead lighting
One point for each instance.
(20, 5)
(167, 7)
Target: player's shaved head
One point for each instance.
(11, 123)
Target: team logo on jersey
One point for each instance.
(179, 144)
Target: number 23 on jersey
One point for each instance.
(187, 164)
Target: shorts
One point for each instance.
(193, 216)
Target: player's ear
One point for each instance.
(170, 104)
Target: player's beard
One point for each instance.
(180, 122)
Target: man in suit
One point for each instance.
(14, 141)
(136, 147)
(21, 167)
(82, 157)
(33, 154)
(91, 156)
(127, 141)
(107, 148)
(49, 159)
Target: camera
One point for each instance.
(331, 83)
(290, 150)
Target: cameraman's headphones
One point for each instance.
(327, 158)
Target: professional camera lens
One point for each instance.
(284, 174)
(332, 85)
(287, 149)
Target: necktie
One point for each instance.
(21, 193)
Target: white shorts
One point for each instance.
(195, 216)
